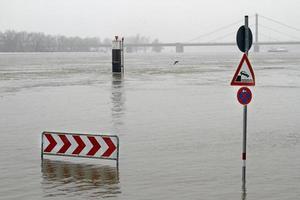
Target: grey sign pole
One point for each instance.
(245, 110)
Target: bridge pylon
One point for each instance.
(256, 45)
(179, 48)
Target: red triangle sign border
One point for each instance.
(236, 83)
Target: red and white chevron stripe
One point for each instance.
(80, 145)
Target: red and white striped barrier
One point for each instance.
(80, 145)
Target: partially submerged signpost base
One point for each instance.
(118, 55)
(244, 76)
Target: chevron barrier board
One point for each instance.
(80, 145)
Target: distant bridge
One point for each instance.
(179, 46)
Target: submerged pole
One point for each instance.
(245, 110)
(117, 55)
(122, 53)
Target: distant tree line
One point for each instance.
(12, 41)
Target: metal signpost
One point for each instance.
(244, 76)
(80, 145)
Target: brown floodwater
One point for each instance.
(180, 126)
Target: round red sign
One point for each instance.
(244, 95)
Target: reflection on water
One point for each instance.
(244, 192)
(73, 179)
(118, 100)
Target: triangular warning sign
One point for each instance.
(244, 74)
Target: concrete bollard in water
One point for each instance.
(117, 55)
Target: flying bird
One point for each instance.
(176, 61)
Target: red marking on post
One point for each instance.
(111, 147)
(52, 143)
(95, 148)
(66, 145)
(80, 143)
(244, 156)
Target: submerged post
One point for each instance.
(244, 76)
(117, 55)
(122, 52)
(245, 109)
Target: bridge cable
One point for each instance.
(278, 22)
(214, 31)
(290, 36)
(223, 36)
(267, 36)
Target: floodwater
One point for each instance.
(180, 126)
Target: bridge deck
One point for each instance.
(203, 44)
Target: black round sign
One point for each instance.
(240, 38)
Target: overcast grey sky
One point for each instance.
(168, 20)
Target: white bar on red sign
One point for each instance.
(80, 145)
